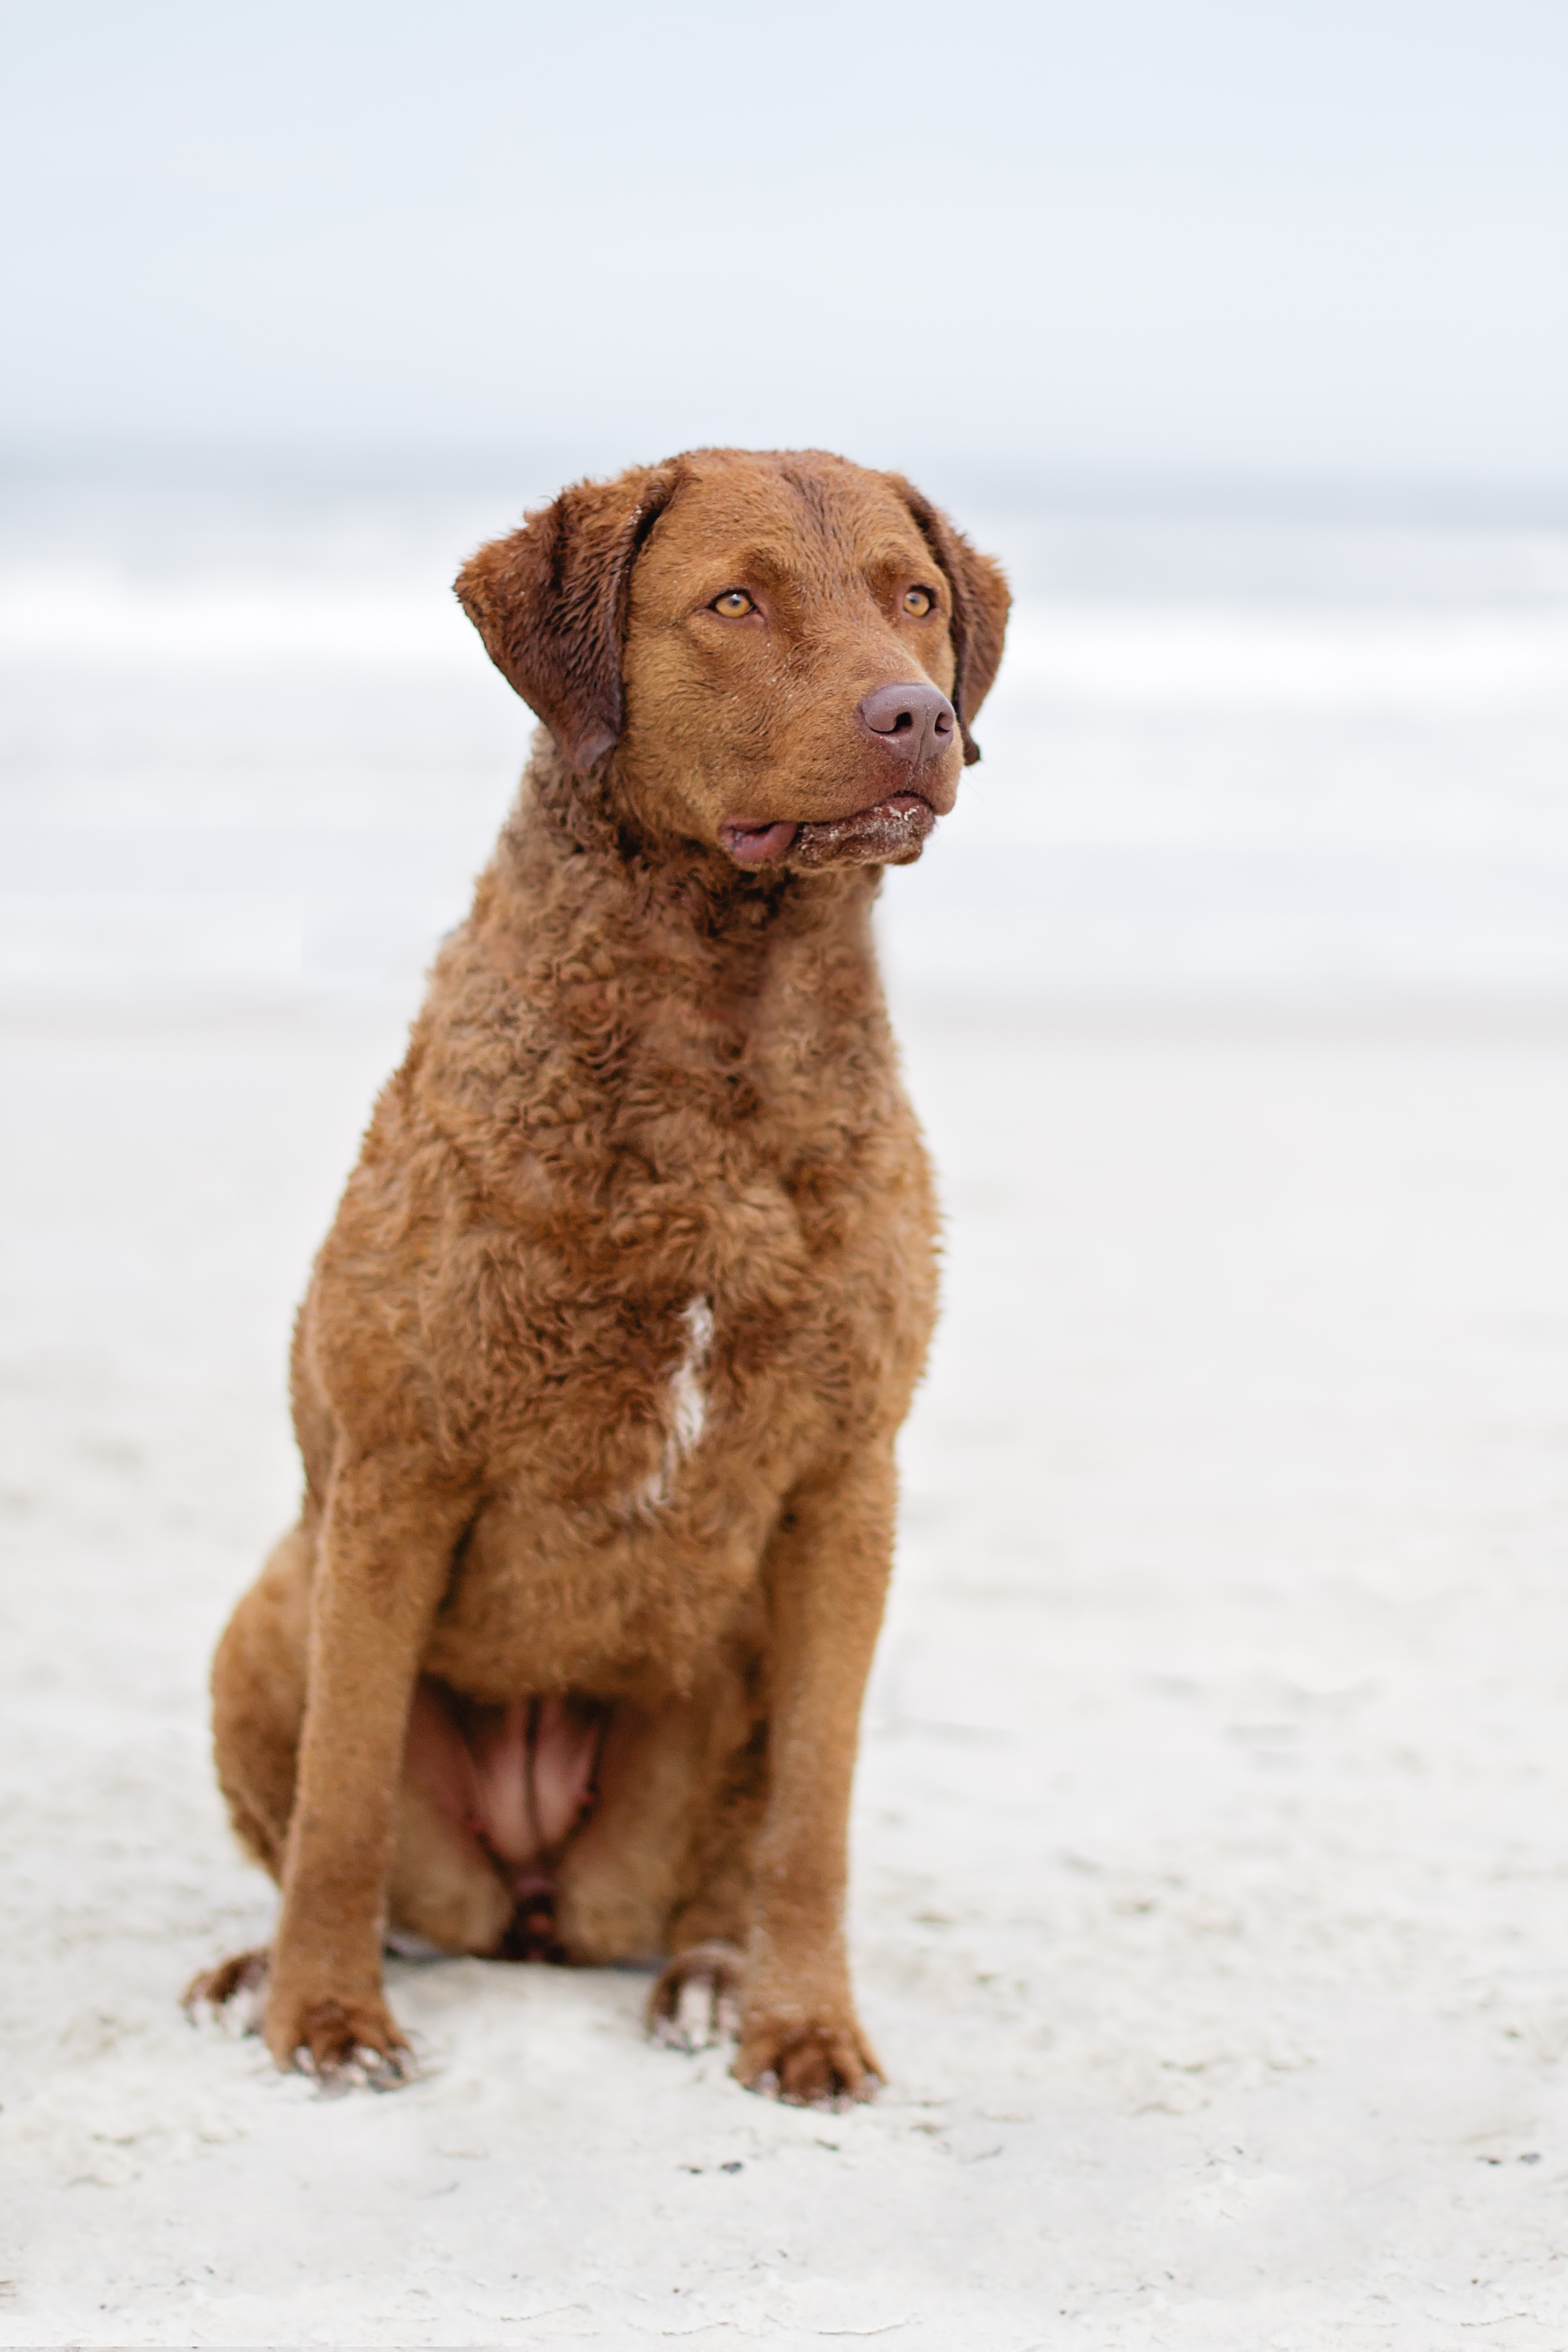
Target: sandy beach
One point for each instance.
(1210, 1862)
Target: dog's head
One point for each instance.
(782, 651)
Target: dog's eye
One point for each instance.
(732, 604)
(918, 602)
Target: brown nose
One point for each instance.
(915, 722)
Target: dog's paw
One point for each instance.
(697, 2000)
(233, 1991)
(344, 2045)
(808, 2061)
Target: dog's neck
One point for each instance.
(663, 882)
(656, 981)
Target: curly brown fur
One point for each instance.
(599, 1372)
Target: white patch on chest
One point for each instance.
(686, 1415)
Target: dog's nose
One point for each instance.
(915, 720)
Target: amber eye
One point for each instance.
(733, 603)
(918, 602)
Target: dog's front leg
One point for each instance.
(827, 1575)
(387, 1540)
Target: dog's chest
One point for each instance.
(706, 1317)
(625, 1517)
(644, 1426)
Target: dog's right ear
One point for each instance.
(551, 604)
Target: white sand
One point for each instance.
(1212, 1838)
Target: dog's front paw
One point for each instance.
(345, 2044)
(806, 2061)
(697, 2000)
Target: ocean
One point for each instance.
(252, 748)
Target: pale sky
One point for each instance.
(1280, 237)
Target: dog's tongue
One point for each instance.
(758, 844)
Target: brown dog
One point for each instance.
(599, 1373)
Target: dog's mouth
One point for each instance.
(892, 831)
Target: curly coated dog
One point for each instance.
(598, 1376)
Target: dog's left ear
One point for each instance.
(551, 604)
(980, 605)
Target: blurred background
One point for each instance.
(1235, 327)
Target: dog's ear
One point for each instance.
(980, 606)
(551, 604)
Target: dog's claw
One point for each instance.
(341, 2046)
(363, 2068)
(384, 2070)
